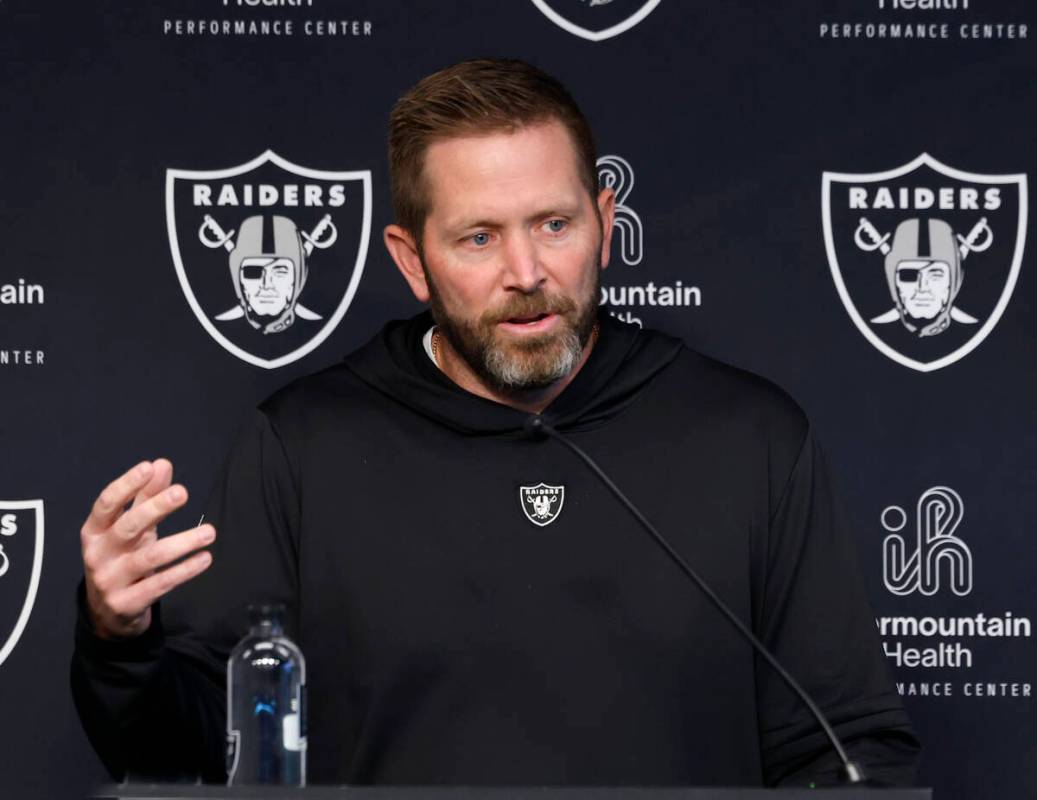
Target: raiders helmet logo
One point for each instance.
(268, 253)
(924, 257)
(21, 560)
(541, 503)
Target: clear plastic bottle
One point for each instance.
(266, 705)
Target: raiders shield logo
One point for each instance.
(21, 559)
(269, 254)
(596, 20)
(541, 503)
(925, 257)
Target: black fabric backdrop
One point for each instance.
(728, 114)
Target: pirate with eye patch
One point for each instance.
(268, 268)
(924, 271)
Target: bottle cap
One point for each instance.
(265, 612)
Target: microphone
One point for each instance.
(537, 428)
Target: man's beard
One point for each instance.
(532, 362)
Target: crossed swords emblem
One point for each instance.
(321, 237)
(868, 239)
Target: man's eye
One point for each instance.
(556, 225)
(480, 239)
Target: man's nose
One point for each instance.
(523, 269)
(268, 278)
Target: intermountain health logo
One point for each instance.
(596, 20)
(941, 644)
(12, 296)
(269, 254)
(616, 173)
(541, 503)
(934, 555)
(924, 256)
(21, 560)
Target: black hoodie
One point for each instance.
(453, 636)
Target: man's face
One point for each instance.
(512, 252)
(924, 287)
(267, 284)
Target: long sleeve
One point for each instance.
(155, 706)
(816, 618)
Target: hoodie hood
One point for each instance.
(622, 364)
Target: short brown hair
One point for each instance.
(482, 95)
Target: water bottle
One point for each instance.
(266, 711)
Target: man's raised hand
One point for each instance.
(127, 566)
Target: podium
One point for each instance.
(192, 792)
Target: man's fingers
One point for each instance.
(163, 551)
(117, 600)
(133, 600)
(149, 513)
(110, 503)
(161, 478)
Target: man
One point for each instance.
(452, 633)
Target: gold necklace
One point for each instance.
(435, 340)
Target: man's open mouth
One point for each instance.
(529, 319)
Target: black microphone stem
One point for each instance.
(852, 772)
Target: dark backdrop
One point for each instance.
(728, 114)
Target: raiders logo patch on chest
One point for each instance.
(541, 503)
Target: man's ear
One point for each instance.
(404, 252)
(607, 212)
